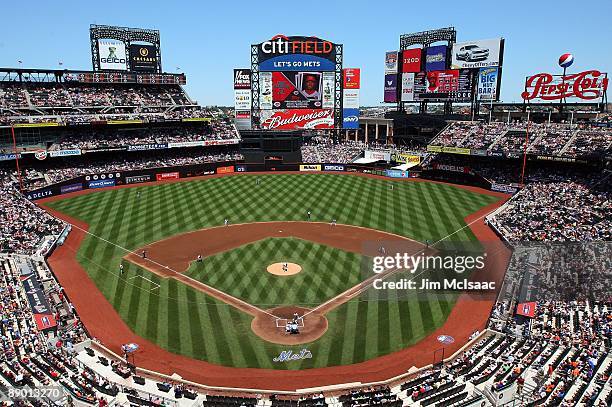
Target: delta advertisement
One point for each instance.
(112, 56)
(391, 62)
(296, 53)
(412, 60)
(299, 90)
(143, 58)
(435, 58)
(390, 88)
(477, 54)
(487, 83)
(290, 119)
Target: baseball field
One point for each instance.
(205, 310)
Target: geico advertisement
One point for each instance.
(112, 55)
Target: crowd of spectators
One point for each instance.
(111, 138)
(563, 208)
(22, 224)
(72, 104)
(65, 170)
(326, 150)
(558, 139)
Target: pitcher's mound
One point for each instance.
(284, 269)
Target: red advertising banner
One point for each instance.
(167, 175)
(288, 119)
(352, 78)
(411, 60)
(526, 309)
(587, 85)
(225, 170)
(443, 81)
(45, 321)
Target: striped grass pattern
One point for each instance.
(185, 321)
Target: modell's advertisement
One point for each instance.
(282, 53)
(291, 119)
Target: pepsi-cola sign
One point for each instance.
(587, 85)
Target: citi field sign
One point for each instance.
(296, 53)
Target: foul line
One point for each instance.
(257, 309)
(347, 295)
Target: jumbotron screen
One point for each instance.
(296, 82)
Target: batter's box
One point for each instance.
(156, 286)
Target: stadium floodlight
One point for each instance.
(427, 38)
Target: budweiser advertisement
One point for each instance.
(586, 85)
(289, 119)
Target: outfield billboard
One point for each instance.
(407, 94)
(436, 58)
(143, 58)
(477, 54)
(451, 84)
(412, 60)
(390, 95)
(265, 90)
(112, 55)
(351, 78)
(488, 78)
(291, 119)
(391, 62)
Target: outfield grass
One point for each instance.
(188, 322)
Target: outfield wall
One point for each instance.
(117, 178)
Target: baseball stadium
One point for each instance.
(298, 248)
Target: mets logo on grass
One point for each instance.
(289, 356)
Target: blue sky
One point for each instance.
(208, 39)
